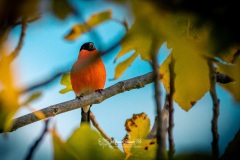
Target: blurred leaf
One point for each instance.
(84, 144)
(99, 18)
(190, 69)
(121, 67)
(61, 149)
(34, 96)
(195, 156)
(232, 150)
(137, 39)
(92, 22)
(233, 72)
(189, 45)
(8, 93)
(135, 144)
(66, 81)
(61, 8)
(231, 55)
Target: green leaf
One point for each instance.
(121, 67)
(66, 81)
(92, 22)
(232, 71)
(60, 149)
(34, 96)
(61, 8)
(84, 144)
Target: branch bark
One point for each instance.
(171, 110)
(94, 98)
(213, 93)
(134, 83)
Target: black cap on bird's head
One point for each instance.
(89, 46)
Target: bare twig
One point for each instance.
(153, 133)
(94, 98)
(104, 135)
(171, 110)
(43, 83)
(213, 93)
(16, 52)
(160, 138)
(30, 20)
(36, 144)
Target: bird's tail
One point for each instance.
(85, 114)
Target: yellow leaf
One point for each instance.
(76, 31)
(8, 93)
(134, 144)
(98, 18)
(192, 76)
(234, 72)
(146, 150)
(92, 22)
(121, 67)
(66, 81)
(138, 126)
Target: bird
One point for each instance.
(89, 78)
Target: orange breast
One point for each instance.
(90, 78)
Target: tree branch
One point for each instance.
(171, 110)
(36, 144)
(15, 53)
(160, 132)
(94, 98)
(213, 93)
(134, 83)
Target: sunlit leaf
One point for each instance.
(121, 67)
(66, 81)
(33, 97)
(84, 144)
(192, 76)
(8, 93)
(232, 71)
(135, 144)
(61, 8)
(92, 22)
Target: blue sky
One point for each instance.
(45, 52)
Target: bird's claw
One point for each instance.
(79, 97)
(99, 91)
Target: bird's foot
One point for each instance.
(99, 91)
(79, 97)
